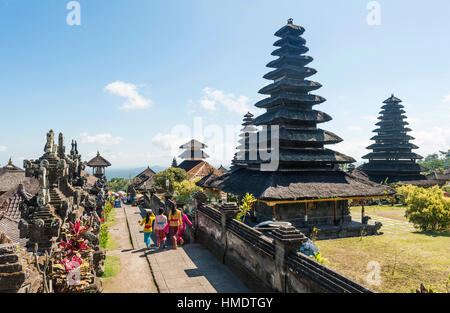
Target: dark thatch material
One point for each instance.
(223, 170)
(296, 185)
(307, 170)
(188, 165)
(98, 161)
(205, 181)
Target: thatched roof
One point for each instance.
(98, 161)
(297, 185)
(148, 172)
(222, 169)
(200, 169)
(187, 165)
(10, 167)
(10, 179)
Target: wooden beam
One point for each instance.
(335, 211)
(275, 202)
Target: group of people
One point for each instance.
(174, 225)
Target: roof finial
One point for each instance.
(98, 153)
(290, 20)
(10, 161)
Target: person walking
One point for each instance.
(174, 223)
(160, 224)
(147, 222)
(184, 220)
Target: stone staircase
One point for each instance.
(18, 273)
(12, 275)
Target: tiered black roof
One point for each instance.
(290, 106)
(244, 142)
(392, 157)
(193, 150)
(306, 168)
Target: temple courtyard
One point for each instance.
(407, 257)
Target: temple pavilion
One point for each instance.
(99, 165)
(392, 159)
(307, 188)
(194, 160)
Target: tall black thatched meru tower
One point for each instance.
(392, 159)
(307, 187)
(290, 106)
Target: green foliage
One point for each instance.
(436, 161)
(318, 257)
(112, 266)
(173, 175)
(119, 184)
(246, 206)
(185, 189)
(428, 209)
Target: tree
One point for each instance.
(174, 162)
(428, 209)
(436, 161)
(185, 189)
(118, 184)
(173, 175)
(244, 209)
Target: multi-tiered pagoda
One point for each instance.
(193, 160)
(307, 188)
(392, 159)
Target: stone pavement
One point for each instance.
(135, 275)
(189, 269)
(390, 226)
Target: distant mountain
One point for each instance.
(130, 172)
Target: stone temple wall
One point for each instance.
(263, 263)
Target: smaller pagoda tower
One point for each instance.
(247, 135)
(392, 159)
(193, 151)
(99, 165)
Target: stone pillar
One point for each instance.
(228, 211)
(287, 239)
(199, 200)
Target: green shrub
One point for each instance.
(244, 209)
(428, 209)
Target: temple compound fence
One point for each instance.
(264, 264)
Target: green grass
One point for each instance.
(396, 212)
(112, 266)
(406, 259)
(109, 222)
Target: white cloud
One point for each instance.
(432, 140)
(101, 139)
(447, 98)
(3, 148)
(134, 101)
(354, 148)
(231, 102)
(169, 141)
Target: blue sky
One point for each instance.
(133, 70)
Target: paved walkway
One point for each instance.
(390, 226)
(189, 269)
(135, 275)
